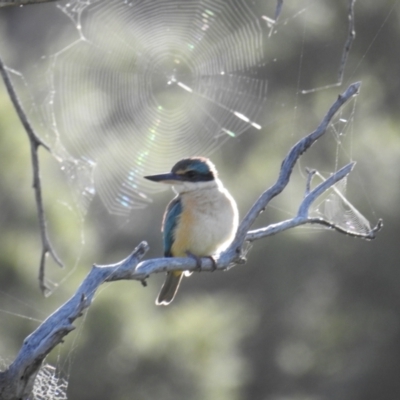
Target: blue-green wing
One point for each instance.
(171, 216)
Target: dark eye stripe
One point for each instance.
(195, 176)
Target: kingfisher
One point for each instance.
(200, 221)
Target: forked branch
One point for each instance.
(17, 380)
(19, 3)
(35, 143)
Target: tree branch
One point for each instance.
(351, 35)
(303, 218)
(18, 3)
(288, 163)
(17, 380)
(35, 142)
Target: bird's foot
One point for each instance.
(213, 262)
(197, 259)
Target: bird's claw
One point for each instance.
(213, 262)
(199, 264)
(197, 259)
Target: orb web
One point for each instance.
(334, 205)
(145, 83)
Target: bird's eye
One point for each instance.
(191, 174)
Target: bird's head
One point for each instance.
(188, 174)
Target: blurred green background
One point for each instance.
(312, 315)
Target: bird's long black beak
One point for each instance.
(168, 177)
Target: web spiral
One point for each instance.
(145, 83)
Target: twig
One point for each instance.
(35, 142)
(351, 35)
(310, 176)
(17, 381)
(323, 187)
(288, 163)
(271, 22)
(367, 236)
(303, 218)
(278, 9)
(18, 3)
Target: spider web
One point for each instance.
(130, 87)
(337, 208)
(48, 385)
(141, 84)
(333, 205)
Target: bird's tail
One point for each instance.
(169, 288)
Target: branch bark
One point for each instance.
(18, 3)
(17, 381)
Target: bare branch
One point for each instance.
(351, 35)
(278, 9)
(271, 22)
(18, 3)
(302, 215)
(18, 107)
(288, 163)
(17, 380)
(303, 218)
(323, 187)
(35, 142)
(367, 236)
(310, 176)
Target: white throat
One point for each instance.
(183, 187)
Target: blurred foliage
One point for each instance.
(313, 315)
